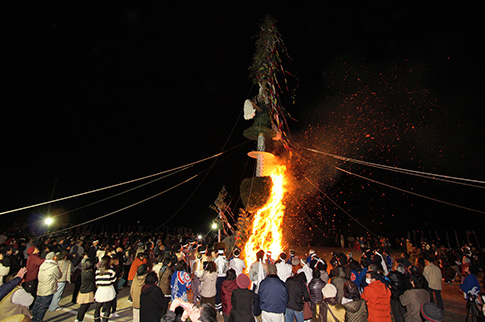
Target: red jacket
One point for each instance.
(378, 299)
(33, 263)
(136, 263)
(226, 293)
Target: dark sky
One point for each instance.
(98, 93)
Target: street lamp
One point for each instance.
(215, 225)
(48, 221)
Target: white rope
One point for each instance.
(410, 192)
(119, 210)
(110, 197)
(113, 186)
(342, 209)
(407, 171)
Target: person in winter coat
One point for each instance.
(354, 306)
(378, 298)
(164, 278)
(208, 287)
(88, 286)
(49, 274)
(153, 303)
(33, 264)
(339, 281)
(65, 266)
(399, 284)
(139, 259)
(329, 310)
(297, 295)
(432, 273)
(413, 298)
(17, 301)
(315, 288)
(242, 301)
(228, 286)
(273, 296)
(135, 290)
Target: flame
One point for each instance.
(267, 231)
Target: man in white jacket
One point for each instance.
(49, 274)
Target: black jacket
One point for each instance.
(298, 292)
(315, 287)
(242, 301)
(153, 303)
(399, 284)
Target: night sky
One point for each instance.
(98, 93)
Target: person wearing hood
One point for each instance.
(34, 261)
(228, 286)
(153, 303)
(378, 298)
(49, 274)
(297, 295)
(135, 290)
(354, 306)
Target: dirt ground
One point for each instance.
(452, 297)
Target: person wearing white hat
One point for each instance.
(49, 274)
(236, 263)
(329, 309)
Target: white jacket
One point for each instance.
(49, 273)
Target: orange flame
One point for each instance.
(267, 231)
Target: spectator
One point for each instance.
(65, 267)
(315, 288)
(242, 301)
(339, 281)
(87, 289)
(273, 296)
(228, 286)
(9, 286)
(17, 301)
(208, 289)
(31, 277)
(49, 274)
(432, 273)
(470, 285)
(329, 309)
(297, 295)
(106, 293)
(164, 278)
(413, 298)
(355, 307)
(399, 284)
(378, 298)
(153, 302)
(135, 290)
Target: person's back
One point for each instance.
(273, 295)
(378, 299)
(153, 303)
(297, 291)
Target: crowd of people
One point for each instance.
(176, 278)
